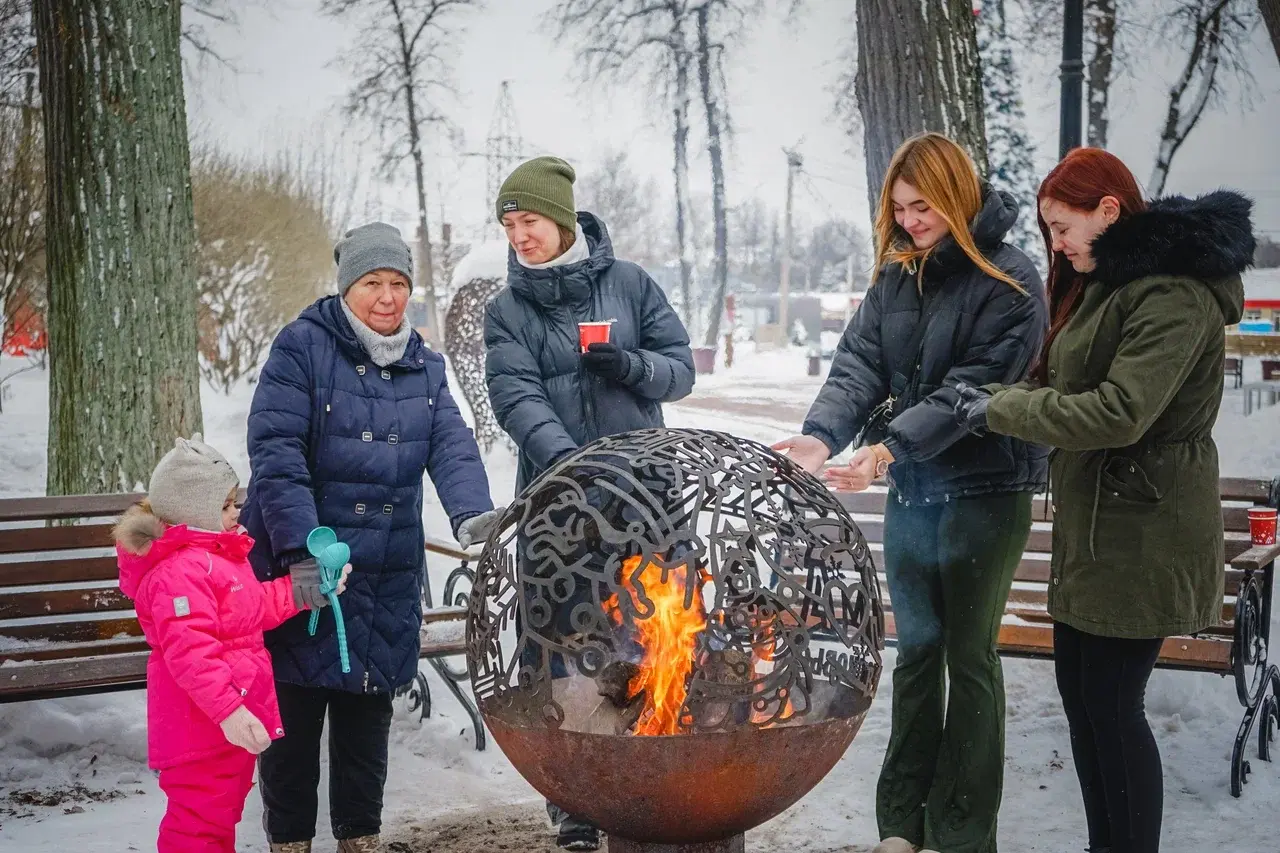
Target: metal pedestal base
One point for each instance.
(736, 844)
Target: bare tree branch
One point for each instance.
(396, 90)
(1218, 31)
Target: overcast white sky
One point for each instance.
(289, 87)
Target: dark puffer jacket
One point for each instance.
(336, 440)
(542, 397)
(983, 331)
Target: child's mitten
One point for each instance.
(246, 731)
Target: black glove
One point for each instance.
(971, 408)
(305, 576)
(607, 361)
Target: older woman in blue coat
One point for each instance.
(350, 411)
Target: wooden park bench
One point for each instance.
(1237, 646)
(66, 629)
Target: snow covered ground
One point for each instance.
(73, 772)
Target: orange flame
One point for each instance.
(668, 635)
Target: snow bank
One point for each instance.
(91, 740)
(487, 259)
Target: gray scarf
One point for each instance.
(383, 349)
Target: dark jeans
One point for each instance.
(289, 771)
(949, 569)
(1103, 682)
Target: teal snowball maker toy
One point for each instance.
(331, 555)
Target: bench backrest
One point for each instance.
(59, 593)
(58, 590)
(1027, 625)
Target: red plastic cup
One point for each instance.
(1262, 525)
(593, 333)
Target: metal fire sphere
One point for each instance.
(675, 633)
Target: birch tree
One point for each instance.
(629, 39)
(1216, 35)
(402, 61)
(917, 70)
(120, 243)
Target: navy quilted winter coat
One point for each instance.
(335, 440)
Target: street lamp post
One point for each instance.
(1069, 128)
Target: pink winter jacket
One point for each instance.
(203, 613)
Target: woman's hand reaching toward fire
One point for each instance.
(806, 451)
(860, 472)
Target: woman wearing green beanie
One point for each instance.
(549, 396)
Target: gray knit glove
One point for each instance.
(478, 527)
(305, 576)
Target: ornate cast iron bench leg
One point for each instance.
(464, 700)
(452, 678)
(1257, 680)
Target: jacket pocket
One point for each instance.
(1125, 479)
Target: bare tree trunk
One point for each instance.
(684, 239)
(120, 236)
(917, 71)
(1102, 15)
(425, 276)
(1181, 119)
(1270, 10)
(720, 277)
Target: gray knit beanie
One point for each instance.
(190, 485)
(376, 246)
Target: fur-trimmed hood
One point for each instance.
(143, 541)
(137, 529)
(1209, 238)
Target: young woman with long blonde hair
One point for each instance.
(950, 303)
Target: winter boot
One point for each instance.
(363, 844)
(291, 847)
(577, 834)
(895, 845)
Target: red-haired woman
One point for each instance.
(1129, 385)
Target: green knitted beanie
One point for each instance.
(542, 185)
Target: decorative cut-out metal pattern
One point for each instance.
(464, 345)
(761, 553)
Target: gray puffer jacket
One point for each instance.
(541, 395)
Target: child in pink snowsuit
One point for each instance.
(211, 699)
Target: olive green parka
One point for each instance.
(1134, 385)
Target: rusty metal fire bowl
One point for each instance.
(675, 634)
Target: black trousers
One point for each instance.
(289, 771)
(1103, 683)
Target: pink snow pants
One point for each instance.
(206, 800)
